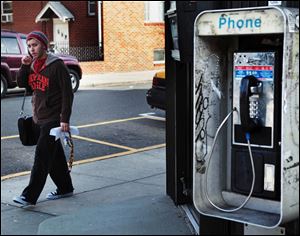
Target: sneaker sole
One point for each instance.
(59, 196)
(21, 202)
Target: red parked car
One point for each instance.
(13, 48)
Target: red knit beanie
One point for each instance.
(40, 36)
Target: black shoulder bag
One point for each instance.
(27, 134)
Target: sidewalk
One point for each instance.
(115, 79)
(117, 196)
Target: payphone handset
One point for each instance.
(250, 90)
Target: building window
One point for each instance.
(159, 56)
(154, 11)
(91, 8)
(6, 11)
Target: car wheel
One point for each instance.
(3, 86)
(74, 80)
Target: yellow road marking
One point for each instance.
(92, 159)
(110, 122)
(105, 143)
(14, 175)
(9, 137)
(151, 147)
(103, 157)
(151, 117)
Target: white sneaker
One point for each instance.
(55, 195)
(22, 200)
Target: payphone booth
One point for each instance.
(246, 115)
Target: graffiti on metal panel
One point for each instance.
(201, 125)
(205, 89)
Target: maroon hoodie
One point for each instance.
(52, 96)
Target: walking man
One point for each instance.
(47, 76)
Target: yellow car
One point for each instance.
(156, 96)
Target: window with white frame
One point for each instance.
(6, 11)
(154, 11)
(158, 56)
(92, 8)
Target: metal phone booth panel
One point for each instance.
(246, 115)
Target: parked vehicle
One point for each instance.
(156, 95)
(13, 48)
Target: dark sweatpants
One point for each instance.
(49, 159)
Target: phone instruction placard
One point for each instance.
(259, 64)
(260, 72)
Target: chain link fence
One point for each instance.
(84, 52)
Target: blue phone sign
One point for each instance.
(225, 21)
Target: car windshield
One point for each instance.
(9, 45)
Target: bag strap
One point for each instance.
(22, 108)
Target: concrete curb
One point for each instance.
(116, 79)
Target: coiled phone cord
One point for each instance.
(252, 165)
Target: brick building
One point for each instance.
(133, 40)
(106, 36)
